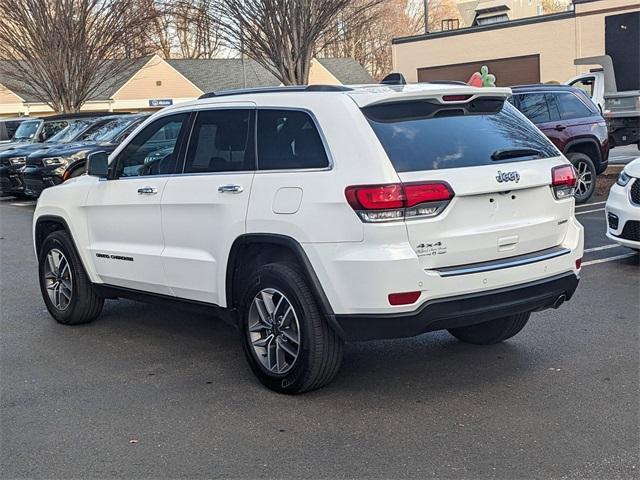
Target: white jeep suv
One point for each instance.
(311, 216)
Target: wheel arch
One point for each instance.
(45, 225)
(588, 146)
(256, 248)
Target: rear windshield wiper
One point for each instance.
(515, 153)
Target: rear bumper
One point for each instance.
(460, 310)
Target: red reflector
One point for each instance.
(455, 98)
(578, 263)
(426, 192)
(563, 175)
(404, 298)
(396, 195)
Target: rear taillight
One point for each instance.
(563, 181)
(398, 201)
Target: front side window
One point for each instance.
(585, 84)
(154, 151)
(571, 107)
(289, 139)
(49, 129)
(222, 141)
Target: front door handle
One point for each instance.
(147, 190)
(560, 127)
(230, 189)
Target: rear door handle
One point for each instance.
(560, 127)
(147, 190)
(230, 188)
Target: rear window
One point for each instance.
(422, 135)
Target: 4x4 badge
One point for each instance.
(508, 176)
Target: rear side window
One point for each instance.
(221, 142)
(421, 135)
(571, 107)
(289, 139)
(534, 106)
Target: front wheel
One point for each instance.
(493, 331)
(286, 339)
(586, 171)
(66, 289)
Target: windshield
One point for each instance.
(70, 133)
(421, 135)
(27, 130)
(111, 130)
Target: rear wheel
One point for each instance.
(286, 339)
(494, 331)
(67, 291)
(586, 170)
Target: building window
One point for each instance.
(493, 19)
(450, 24)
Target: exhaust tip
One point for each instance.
(559, 301)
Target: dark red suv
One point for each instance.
(573, 123)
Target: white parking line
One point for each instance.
(590, 211)
(604, 247)
(590, 204)
(610, 259)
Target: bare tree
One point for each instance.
(63, 52)
(186, 28)
(283, 35)
(554, 6)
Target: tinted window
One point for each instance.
(11, 128)
(534, 107)
(221, 142)
(69, 133)
(571, 107)
(154, 150)
(425, 136)
(289, 140)
(49, 129)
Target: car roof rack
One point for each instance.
(544, 85)
(285, 89)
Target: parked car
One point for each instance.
(13, 160)
(573, 123)
(51, 166)
(40, 129)
(623, 207)
(311, 216)
(592, 84)
(8, 127)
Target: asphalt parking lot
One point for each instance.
(150, 392)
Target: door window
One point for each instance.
(534, 106)
(289, 139)
(154, 151)
(571, 107)
(49, 129)
(585, 84)
(221, 142)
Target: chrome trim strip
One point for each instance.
(509, 262)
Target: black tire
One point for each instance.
(320, 349)
(493, 331)
(584, 164)
(85, 304)
(77, 172)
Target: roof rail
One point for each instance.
(289, 88)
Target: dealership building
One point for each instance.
(533, 49)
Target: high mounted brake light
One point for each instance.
(563, 181)
(398, 201)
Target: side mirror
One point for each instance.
(98, 164)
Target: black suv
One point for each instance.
(12, 160)
(568, 117)
(46, 168)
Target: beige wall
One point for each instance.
(319, 75)
(143, 84)
(558, 42)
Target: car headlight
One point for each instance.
(54, 161)
(623, 179)
(18, 160)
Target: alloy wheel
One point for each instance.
(274, 331)
(583, 185)
(58, 279)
